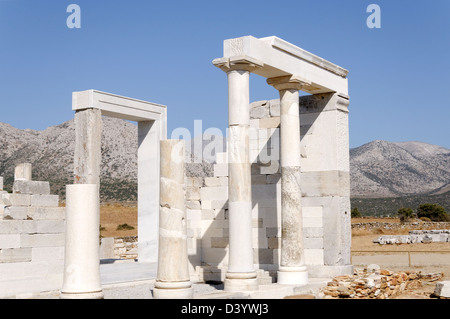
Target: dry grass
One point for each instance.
(374, 219)
(113, 215)
(362, 239)
(366, 243)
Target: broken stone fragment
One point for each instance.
(442, 289)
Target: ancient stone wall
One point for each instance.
(31, 239)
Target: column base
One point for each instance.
(173, 290)
(236, 282)
(84, 295)
(292, 276)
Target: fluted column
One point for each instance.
(292, 269)
(173, 281)
(241, 274)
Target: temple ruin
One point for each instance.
(254, 221)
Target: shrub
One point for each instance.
(434, 212)
(355, 213)
(405, 214)
(124, 227)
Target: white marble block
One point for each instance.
(45, 200)
(16, 199)
(442, 289)
(23, 172)
(31, 187)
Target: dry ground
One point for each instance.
(113, 215)
(362, 240)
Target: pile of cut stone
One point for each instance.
(416, 236)
(375, 283)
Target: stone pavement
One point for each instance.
(133, 280)
(122, 271)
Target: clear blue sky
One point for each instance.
(161, 51)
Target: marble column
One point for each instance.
(88, 135)
(241, 274)
(173, 281)
(81, 279)
(292, 269)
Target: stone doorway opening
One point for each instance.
(151, 118)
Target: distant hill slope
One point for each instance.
(389, 206)
(51, 152)
(386, 169)
(378, 169)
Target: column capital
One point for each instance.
(288, 82)
(240, 62)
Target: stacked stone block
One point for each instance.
(326, 183)
(31, 239)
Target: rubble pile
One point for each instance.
(375, 283)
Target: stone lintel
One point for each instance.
(305, 55)
(282, 58)
(118, 106)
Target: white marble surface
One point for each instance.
(81, 277)
(173, 279)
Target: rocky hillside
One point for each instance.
(385, 169)
(378, 169)
(51, 153)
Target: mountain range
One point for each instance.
(391, 169)
(377, 169)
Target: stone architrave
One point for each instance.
(81, 278)
(292, 269)
(152, 127)
(241, 273)
(173, 280)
